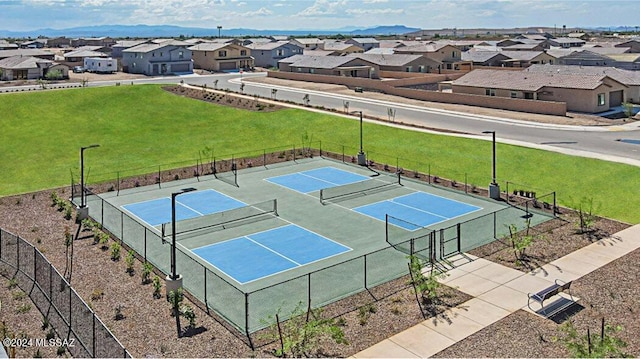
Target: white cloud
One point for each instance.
(263, 11)
(374, 11)
(324, 7)
(374, 1)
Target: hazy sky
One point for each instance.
(20, 15)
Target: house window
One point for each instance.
(180, 54)
(514, 94)
(600, 99)
(312, 71)
(408, 69)
(280, 52)
(528, 95)
(421, 68)
(222, 53)
(243, 52)
(160, 54)
(490, 92)
(453, 54)
(153, 54)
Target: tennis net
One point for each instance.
(222, 220)
(361, 188)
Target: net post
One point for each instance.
(321, 196)
(386, 227)
(275, 207)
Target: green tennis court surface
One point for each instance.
(251, 250)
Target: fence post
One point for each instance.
(50, 282)
(507, 190)
(145, 244)
(246, 319)
(205, 288)
(264, 158)
(121, 225)
(94, 334)
(102, 212)
(429, 173)
(365, 272)
(35, 253)
(555, 211)
(494, 225)
(18, 253)
(1, 235)
(70, 325)
(342, 153)
(459, 239)
(159, 178)
(465, 183)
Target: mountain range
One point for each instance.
(145, 31)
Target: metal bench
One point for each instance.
(558, 305)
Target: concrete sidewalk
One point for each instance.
(498, 291)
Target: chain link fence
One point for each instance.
(68, 314)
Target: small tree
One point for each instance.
(129, 260)
(585, 215)
(53, 75)
(628, 109)
(175, 300)
(425, 285)
(592, 345)
(303, 332)
(147, 268)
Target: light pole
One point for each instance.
(82, 212)
(219, 28)
(494, 187)
(362, 158)
(174, 281)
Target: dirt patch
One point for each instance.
(224, 98)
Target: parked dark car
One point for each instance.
(79, 69)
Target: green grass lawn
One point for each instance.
(142, 127)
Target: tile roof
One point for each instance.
(84, 53)
(208, 46)
(480, 56)
(527, 80)
(267, 45)
(365, 40)
(24, 52)
(626, 77)
(322, 62)
(522, 55)
(148, 47)
(388, 60)
(22, 62)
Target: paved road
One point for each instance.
(588, 141)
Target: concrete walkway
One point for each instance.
(498, 291)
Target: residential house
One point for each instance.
(76, 57)
(256, 40)
(118, 47)
(366, 43)
(221, 56)
(34, 44)
(402, 63)
(462, 45)
(626, 61)
(29, 68)
(157, 59)
(43, 54)
(528, 46)
(5, 45)
(581, 93)
(485, 58)
(279, 38)
(527, 58)
(535, 37)
(448, 55)
(565, 42)
(59, 42)
(381, 51)
(307, 43)
(629, 78)
(329, 65)
(340, 48)
(268, 54)
(633, 44)
(93, 41)
(585, 58)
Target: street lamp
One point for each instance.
(82, 212)
(362, 158)
(174, 281)
(494, 187)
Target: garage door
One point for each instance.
(180, 68)
(227, 65)
(615, 98)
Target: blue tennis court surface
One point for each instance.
(188, 205)
(262, 254)
(418, 209)
(317, 179)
